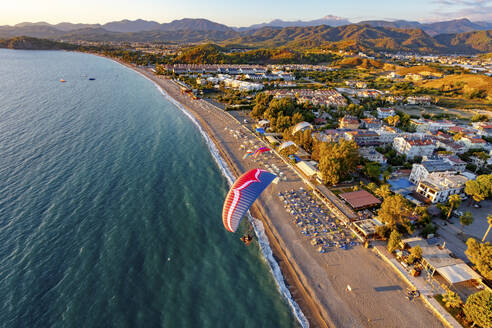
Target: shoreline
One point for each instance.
(315, 282)
(306, 304)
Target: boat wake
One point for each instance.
(257, 224)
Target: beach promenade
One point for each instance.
(318, 282)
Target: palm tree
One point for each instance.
(489, 221)
(454, 201)
(465, 219)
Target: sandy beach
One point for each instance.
(318, 282)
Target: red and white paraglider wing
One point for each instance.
(242, 195)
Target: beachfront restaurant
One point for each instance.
(451, 270)
(360, 199)
(367, 227)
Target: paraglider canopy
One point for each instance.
(301, 126)
(286, 144)
(242, 195)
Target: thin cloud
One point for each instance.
(478, 10)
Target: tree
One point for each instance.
(383, 191)
(489, 221)
(454, 202)
(480, 188)
(472, 189)
(337, 160)
(395, 210)
(458, 136)
(465, 220)
(478, 308)
(372, 170)
(451, 299)
(372, 187)
(415, 254)
(480, 254)
(393, 120)
(394, 241)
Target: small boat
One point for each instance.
(62, 80)
(92, 79)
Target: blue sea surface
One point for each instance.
(110, 207)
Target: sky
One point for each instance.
(239, 13)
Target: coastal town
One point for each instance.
(385, 178)
(216, 164)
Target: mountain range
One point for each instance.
(378, 35)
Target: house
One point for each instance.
(363, 137)
(437, 187)
(385, 112)
(349, 122)
(371, 123)
(484, 128)
(387, 134)
(471, 142)
(457, 164)
(413, 147)
(422, 170)
(419, 100)
(372, 155)
(393, 75)
(425, 125)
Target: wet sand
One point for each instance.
(317, 281)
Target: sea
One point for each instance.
(110, 207)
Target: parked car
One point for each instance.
(457, 213)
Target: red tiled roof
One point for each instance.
(360, 199)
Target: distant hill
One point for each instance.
(188, 24)
(353, 37)
(446, 27)
(28, 43)
(357, 62)
(327, 20)
(194, 24)
(480, 41)
(126, 26)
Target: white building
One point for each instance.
(422, 171)
(413, 147)
(372, 155)
(385, 112)
(387, 134)
(472, 142)
(424, 125)
(437, 187)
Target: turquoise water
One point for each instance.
(110, 207)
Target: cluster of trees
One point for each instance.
(337, 161)
(395, 212)
(214, 54)
(282, 113)
(480, 254)
(480, 188)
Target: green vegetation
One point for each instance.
(394, 212)
(214, 54)
(480, 254)
(451, 299)
(394, 241)
(454, 202)
(415, 254)
(480, 188)
(465, 220)
(478, 308)
(337, 160)
(28, 43)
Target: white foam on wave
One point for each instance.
(257, 224)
